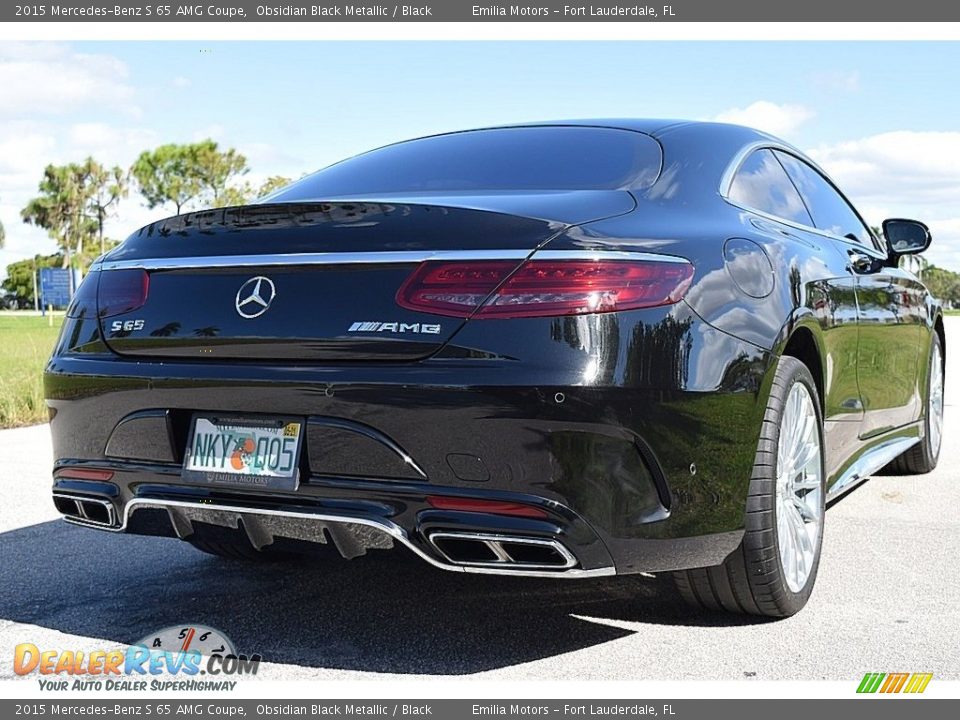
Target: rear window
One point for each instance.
(534, 158)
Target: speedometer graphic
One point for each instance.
(186, 638)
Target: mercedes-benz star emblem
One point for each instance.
(255, 296)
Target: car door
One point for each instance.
(890, 305)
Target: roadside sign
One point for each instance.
(54, 287)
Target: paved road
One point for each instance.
(887, 597)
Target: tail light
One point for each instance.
(122, 291)
(543, 287)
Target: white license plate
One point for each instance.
(254, 454)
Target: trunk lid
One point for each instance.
(318, 281)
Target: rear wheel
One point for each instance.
(773, 571)
(922, 457)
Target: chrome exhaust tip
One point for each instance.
(85, 510)
(502, 551)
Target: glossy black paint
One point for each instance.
(635, 430)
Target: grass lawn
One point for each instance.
(25, 345)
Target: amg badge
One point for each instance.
(395, 327)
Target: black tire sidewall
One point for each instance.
(789, 372)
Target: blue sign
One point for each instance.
(54, 287)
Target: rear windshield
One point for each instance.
(534, 158)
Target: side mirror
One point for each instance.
(905, 237)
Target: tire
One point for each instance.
(753, 579)
(922, 457)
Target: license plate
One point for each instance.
(254, 454)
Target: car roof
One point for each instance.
(651, 126)
(721, 137)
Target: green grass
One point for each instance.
(25, 345)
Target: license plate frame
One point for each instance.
(235, 451)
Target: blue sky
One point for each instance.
(883, 118)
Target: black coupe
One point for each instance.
(565, 350)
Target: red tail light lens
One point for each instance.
(495, 507)
(543, 287)
(448, 288)
(84, 474)
(122, 291)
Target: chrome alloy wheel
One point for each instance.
(799, 488)
(935, 403)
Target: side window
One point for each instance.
(761, 184)
(830, 211)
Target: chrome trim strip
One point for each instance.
(601, 254)
(871, 461)
(495, 543)
(329, 258)
(385, 526)
(376, 258)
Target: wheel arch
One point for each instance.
(802, 344)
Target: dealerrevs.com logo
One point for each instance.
(180, 657)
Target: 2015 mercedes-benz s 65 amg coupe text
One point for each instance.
(565, 350)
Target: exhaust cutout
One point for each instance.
(502, 551)
(84, 510)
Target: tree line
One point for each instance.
(944, 284)
(75, 200)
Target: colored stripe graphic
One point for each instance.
(870, 682)
(913, 683)
(918, 682)
(894, 682)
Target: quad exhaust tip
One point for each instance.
(85, 510)
(502, 551)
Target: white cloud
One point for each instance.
(46, 79)
(24, 150)
(903, 174)
(768, 117)
(32, 51)
(945, 250)
(27, 147)
(922, 167)
(22, 147)
(181, 82)
(110, 145)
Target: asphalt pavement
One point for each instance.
(887, 597)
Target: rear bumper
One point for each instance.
(348, 532)
(566, 546)
(636, 475)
